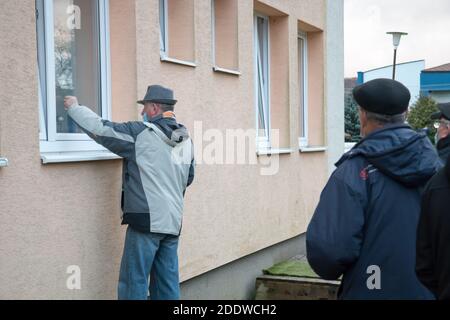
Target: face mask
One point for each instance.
(145, 118)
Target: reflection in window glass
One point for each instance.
(301, 73)
(77, 58)
(262, 38)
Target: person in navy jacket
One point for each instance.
(364, 227)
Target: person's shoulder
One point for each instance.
(136, 126)
(354, 173)
(350, 168)
(438, 181)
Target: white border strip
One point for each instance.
(274, 151)
(64, 157)
(313, 149)
(224, 70)
(176, 61)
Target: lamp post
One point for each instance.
(396, 42)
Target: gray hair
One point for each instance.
(166, 107)
(384, 119)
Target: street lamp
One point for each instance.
(396, 41)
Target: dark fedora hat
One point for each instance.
(158, 94)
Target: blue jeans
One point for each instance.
(144, 255)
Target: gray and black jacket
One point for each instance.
(158, 166)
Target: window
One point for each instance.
(303, 88)
(225, 36)
(261, 39)
(73, 59)
(163, 35)
(177, 41)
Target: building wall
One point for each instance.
(334, 81)
(436, 85)
(407, 73)
(54, 216)
(441, 96)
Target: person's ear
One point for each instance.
(156, 108)
(363, 116)
(362, 121)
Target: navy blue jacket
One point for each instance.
(368, 214)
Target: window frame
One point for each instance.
(164, 40)
(303, 105)
(263, 143)
(50, 139)
(163, 28)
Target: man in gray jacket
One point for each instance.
(158, 166)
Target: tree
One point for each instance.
(419, 116)
(352, 126)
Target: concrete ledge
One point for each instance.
(265, 152)
(227, 71)
(64, 157)
(180, 62)
(313, 149)
(295, 288)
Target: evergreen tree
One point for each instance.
(352, 126)
(419, 116)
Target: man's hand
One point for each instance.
(70, 101)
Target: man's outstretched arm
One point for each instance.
(119, 138)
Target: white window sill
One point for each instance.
(64, 157)
(310, 149)
(263, 152)
(176, 61)
(227, 71)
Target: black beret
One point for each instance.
(444, 111)
(383, 96)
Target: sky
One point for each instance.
(367, 46)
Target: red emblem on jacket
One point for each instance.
(364, 174)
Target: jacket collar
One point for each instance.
(355, 150)
(165, 115)
(385, 128)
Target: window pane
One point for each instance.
(77, 62)
(262, 76)
(301, 73)
(262, 40)
(262, 120)
(40, 37)
(162, 25)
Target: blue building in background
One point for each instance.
(435, 82)
(407, 73)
